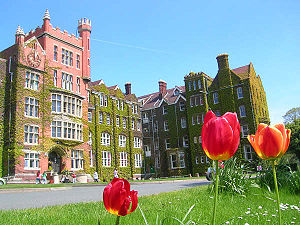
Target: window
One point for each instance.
(194, 83)
(132, 124)
(157, 160)
(248, 152)
(181, 160)
(122, 105)
(193, 120)
(136, 142)
(138, 160)
(122, 141)
(105, 139)
(66, 130)
(201, 100)
(32, 160)
(198, 118)
(88, 96)
(107, 119)
(202, 159)
(245, 131)
(78, 62)
(165, 110)
(101, 99)
(31, 134)
(173, 159)
(183, 122)
(197, 100)
(105, 100)
(197, 160)
(91, 158)
(118, 104)
(118, 121)
(147, 151)
(242, 111)
(185, 141)
(66, 57)
(71, 105)
(55, 53)
(31, 107)
(200, 140)
(76, 159)
(123, 159)
(239, 91)
(156, 145)
(100, 117)
(90, 138)
(181, 106)
(199, 84)
(124, 122)
(66, 81)
(138, 125)
(32, 81)
(155, 128)
(195, 140)
(216, 98)
(190, 86)
(55, 78)
(167, 143)
(89, 116)
(106, 159)
(78, 85)
(207, 160)
(218, 113)
(191, 101)
(166, 126)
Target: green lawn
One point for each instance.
(255, 209)
(20, 186)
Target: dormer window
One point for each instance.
(176, 92)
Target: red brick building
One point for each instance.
(46, 110)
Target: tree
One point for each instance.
(295, 137)
(291, 115)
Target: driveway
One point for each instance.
(36, 198)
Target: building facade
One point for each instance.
(47, 103)
(115, 131)
(237, 90)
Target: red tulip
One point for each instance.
(117, 197)
(270, 142)
(220, 135)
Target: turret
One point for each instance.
(84, 29)
(46, 20)
(19, 36)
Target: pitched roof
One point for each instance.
(153, 100)
(243, 71)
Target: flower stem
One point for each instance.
(277, 192)
(213, 222)
(118, 220)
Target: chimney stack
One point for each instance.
(223, 61)
(128, 88)
(19, 36)
(162, 88)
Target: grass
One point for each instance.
(258, 207)
(21, 186)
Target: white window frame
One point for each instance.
(197, 160)
(216, 97)
(181, 160)
(166, 125)
(198, 119)
(167, 143)
(67, 130)
(122, 141)
(147, 151)
(78, 85)
(55, 53)
(117, 121)
(31, 160)
(106, 158)
(132, 124)
(138, 160)
(165, 110)
(247, 152)
(90, 118)
(107, 118)
(200, 139)
(202, 159)
(190, 85)
(123, 159)
(173, 161)
(90, 142)
(199, 83)
(66, 57)
(185, 141)
(76, 159)
(137, 142)
(157, 160)
(32, 81)
(245, 130)
(195, 140)
(193, 120)
(242, 110)
(181, 106)
(31, 134)
(101, 117)
(124, 123)
(91, 158)
(239, 92)
(31, 107)
(183, 122)
(105, 139)
(66, 81)
(194, 84)
(55, 78)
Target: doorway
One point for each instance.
(55, 161)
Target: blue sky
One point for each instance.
(145, 41)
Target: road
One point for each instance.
(37, 198)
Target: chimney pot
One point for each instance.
(162, 88)
(222, 60)
(128, 88)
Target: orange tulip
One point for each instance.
(270, 142)
(117, 197)
(220, 135)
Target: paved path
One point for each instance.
(36, 198)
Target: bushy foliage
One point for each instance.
(294, 147)
(233, 178)
(286, 178)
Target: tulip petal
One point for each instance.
(117, 195)
(209, 115)
(134, 199)
(251, 139)
(235, 125)
(124, 208)
(270, 141)
(260, 127)
(217, 139)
